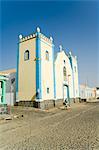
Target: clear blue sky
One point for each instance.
(75, 25)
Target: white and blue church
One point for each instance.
(45, 80)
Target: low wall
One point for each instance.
(45, 104)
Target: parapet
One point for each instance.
(31, 36)
(23, 39)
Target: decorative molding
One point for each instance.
(31, 36)
(41, 36)
(49, 40)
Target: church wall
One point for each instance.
(75, 77)
(47, 70)
(59, 64)
(27, 71)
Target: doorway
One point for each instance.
(66, 93)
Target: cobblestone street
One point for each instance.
(74, 129)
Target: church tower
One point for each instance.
(35, 73)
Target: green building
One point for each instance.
(3, 89)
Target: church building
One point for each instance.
(42, 79)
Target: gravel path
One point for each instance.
(73, 129)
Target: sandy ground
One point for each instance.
(57, 129)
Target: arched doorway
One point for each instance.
(66, 93)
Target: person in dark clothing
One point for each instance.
(65, 103)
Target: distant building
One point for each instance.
(42, 79)
(10, 93)
(97, 92)
(87, 93)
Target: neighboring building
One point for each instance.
(10, 94)
(87, 93)
(42, 79)
(97, 92)
(3, 80)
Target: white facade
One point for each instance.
(61, 62)
(66, 87)
(47, 76)
(74, 67)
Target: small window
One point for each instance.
(26, 55)
(64, 61)
(47, 55)
(64, 73)
(47, 90)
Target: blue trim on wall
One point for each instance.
(17, 69)
(38, 67)
(72, 75)
(54, 71)
(71, 62)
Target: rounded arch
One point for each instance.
(26, 55)
(47, 55)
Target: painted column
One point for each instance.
(17, 73)
(54, 81)
(38, 66)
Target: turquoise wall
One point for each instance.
(3, 93)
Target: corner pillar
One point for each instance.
(38, 67)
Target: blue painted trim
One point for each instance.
(72, 75)
(17, 69)
(71, 62)
(38, 67)
(54, 81)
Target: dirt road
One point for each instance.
(73, 129)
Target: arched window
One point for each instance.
(64, 73)
(26, 55)
(47, 55)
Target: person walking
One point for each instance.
(66, 103)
